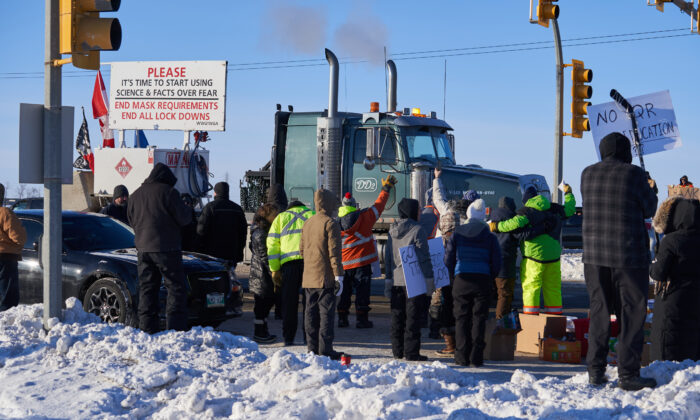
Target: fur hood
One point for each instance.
(663, 218)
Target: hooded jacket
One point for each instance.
(473, 249)
(320, 244)
(541, 215)
(358, 240)
(156, 212)
(676, 323)
(222, 229)
(616, 200)
(403, 233)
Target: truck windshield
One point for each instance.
(443, 147)
(422, 144)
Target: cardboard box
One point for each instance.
(500, 343)
(553, 350)
(536, 327)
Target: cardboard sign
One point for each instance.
(690, 193)
(656, 122)
(168, 95)
(415, 281)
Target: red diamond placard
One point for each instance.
(123, 167)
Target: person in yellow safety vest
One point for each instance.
(286, 263)
(359, 252)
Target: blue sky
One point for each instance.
(501, 105)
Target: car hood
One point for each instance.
(191, 261)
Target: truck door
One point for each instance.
(366, 183)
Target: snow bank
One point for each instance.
(83, 368)
(572, 265)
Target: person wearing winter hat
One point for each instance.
(222, 228)
(117, 208)
(540, 270)
(406, 312)
(685, 183)
(359, 253)
(12, 239)
(473, 259)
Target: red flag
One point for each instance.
(100, 109)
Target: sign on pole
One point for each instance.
(168, 95)
(656, 122)
(415, 281)
(31, 144)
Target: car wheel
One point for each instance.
(107, 299)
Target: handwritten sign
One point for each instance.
(685, 192)
(415, 280)
(656, 122)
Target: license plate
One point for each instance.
(215, 300)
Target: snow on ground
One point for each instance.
(83, 368)
(572, 265)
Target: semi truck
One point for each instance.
(353, 151)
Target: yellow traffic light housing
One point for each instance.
(580, 91)
(546, 11)
(83, 33)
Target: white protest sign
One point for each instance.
(168, 95)
(412, 273)
(656, 122)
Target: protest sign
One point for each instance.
(168, 95)
(415, 281)
(656, 122)
(690, 193)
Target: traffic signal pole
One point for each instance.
(559, 113)
(51, 244)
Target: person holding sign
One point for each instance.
(473, 259)
(407, 253)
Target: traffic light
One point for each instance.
(580, 91)
(83, 33)
(546, 11)
(660, 4)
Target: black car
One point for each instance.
(572, 231)
(99, 268)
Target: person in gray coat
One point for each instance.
(406, 312)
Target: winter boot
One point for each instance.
(363, 321)
(449, 350)
(343, 320)
(262, 335)
(334, 355)
(636, 383)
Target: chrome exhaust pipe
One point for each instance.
(332, 84)
(391, 67)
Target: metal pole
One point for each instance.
(52, 243)
(559, 124)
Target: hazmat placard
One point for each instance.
(168, 95)
(656, 122)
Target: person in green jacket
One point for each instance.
(540, 268)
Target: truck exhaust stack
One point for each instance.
(391, 67)
(329, 135)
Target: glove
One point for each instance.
(389, 182)
(277, 280)
(567, 189)
(437, 172)
(652, 183)
(388, 284)
(493, 226)
(338, 285)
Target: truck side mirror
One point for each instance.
(372, 148)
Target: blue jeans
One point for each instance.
(9, 284)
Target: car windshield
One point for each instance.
(94, 233)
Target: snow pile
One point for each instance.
(572, 265)
(83, 368)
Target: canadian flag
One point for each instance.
(100, 110)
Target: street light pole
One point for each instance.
(52, 239)
(559, 120)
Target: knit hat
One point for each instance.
(470, 196)
(617, 146)
(477, 210)
(408, 208)
(529, 193)
(221, 189)
(120, 191)
(349, 200)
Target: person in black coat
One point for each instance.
(117, 208)
(222, 227)
(616, 200)
(675, 328)
(157, 214)
(260, 279)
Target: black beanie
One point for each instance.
(120, 191)
(617, 146)
(408, 208)
(529, 193)
(221, 189)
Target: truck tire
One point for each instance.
(110, 300)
